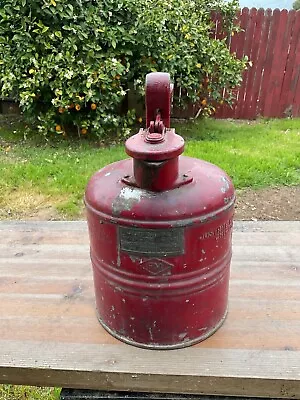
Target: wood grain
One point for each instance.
(288, 88)
(49, 334)
(271, 86)
(244, 45)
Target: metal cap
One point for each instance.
(158, 142)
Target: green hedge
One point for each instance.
(69, 63)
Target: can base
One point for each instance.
(157, 346)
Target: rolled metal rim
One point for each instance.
(157, 346)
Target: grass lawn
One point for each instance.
(12, 392)
(54, 172)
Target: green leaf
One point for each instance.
(40, 24)
(82, 42)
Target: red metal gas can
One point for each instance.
(160, 228)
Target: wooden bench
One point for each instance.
(49, 334)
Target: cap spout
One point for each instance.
(156, 150)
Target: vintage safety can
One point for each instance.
(160, 227)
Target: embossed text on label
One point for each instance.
(152, 242)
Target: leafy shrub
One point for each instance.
(69, 63)
(296, 5)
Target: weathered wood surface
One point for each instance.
(49, 334)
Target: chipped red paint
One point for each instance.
(160, 229)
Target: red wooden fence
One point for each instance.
(271, 87)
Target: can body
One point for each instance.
(161, 260)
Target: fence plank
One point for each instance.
(296, 99)
(278, 63)
(272, 87)
(247, 111)
(296, 81)
(283, 55)
(247, 52)
(235, 43)
(288, 88)
(238, 41)
(268, 62)
(258, 63)
(243, 51)
(286, 98)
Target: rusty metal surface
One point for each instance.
(158, 97)
(202, 200)
(138, 147)
(158, 346)
(160, 233)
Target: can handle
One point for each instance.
(158, 98)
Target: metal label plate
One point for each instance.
(152, 242)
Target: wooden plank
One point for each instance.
(269, 63)
(57, 268)
(49, 334)
(212, 371)
(267, 226)
(224, 110)
(19, 238)
(69, 252)
(66, 287)
(10, 227)
(237, 332)
(41, 252)
(245, 309)
(42, 226)
(255, 73)
(260, 64)
(241, 52)
(281, 60)
(278, 62)
(66, 271)
(236, 46)
(261, 239)
(250, 43)
(33, 236)
(265, 253)
(250, 270)
(288, 88)
(296, 83)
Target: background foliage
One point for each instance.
(69, 63)
(296, 5)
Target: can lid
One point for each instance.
(155, 148)
(158, 141)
